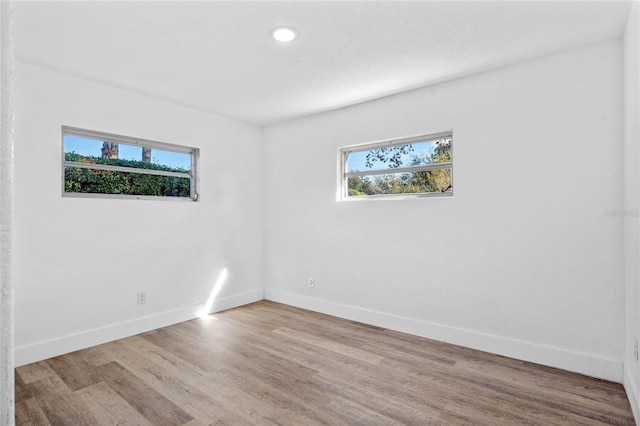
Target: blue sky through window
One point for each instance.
(92, 148)
(356, 161)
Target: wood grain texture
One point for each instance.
(272, 364)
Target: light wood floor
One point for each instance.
(271, 364)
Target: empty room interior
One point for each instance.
(320, 212)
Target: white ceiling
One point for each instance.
(218, 56)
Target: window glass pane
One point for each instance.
(102, 163)
(434, 181)
(87, 150)
(405, 155)
(80, 180)
(82, 146)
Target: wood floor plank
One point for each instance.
(108, 407)
(272, 364)
(22, 392)
(169, 339)
(472, 402)
(340, 348)
(28, 412)
(297, 396)
(154, 407)
(232, 384)
(595, 392)
(231, 420)
(47, 386)
(59, 404)
(396, 409)
(188, 395)
(35, 371)
(233, 395)
(74, 370)
(95, 356)
(356, 414)
(66, 409)
(589, 411)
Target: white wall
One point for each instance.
(630, 216)
(80, 262)
(525, 260)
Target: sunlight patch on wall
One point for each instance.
(214, 292)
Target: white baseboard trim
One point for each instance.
(594, 366)
(61, 345)
(631, 387)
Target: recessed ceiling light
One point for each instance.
(284, 34)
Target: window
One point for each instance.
(419, 166)
(104, 165)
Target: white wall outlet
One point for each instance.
(312, 282)
(142, 297)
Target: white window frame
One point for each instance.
(343, 187)
(143, 143)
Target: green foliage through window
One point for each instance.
(99, 170)
(81, 180)
(420, 166)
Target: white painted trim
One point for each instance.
(582, 363)
(7, 136)
(61, 345)
(237, 300)
(631, 387)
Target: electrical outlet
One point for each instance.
(312, 282)
(142, 298)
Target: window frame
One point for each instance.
(128, 140)
(343, 188)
